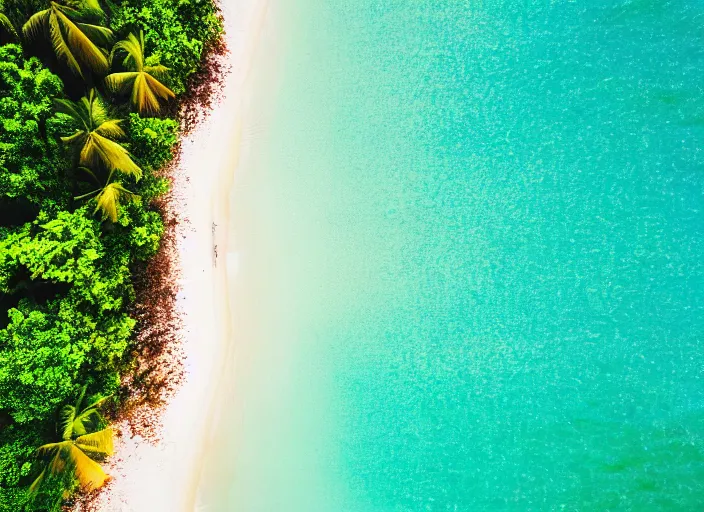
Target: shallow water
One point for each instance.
(470, 250)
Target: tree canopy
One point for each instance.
(77, 39)
(140, 80)
(68, 151)
(31, 161)
(82, 440)
(95, 131)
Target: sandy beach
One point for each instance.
(163, 475)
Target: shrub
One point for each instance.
(153, 140)
(31, 161)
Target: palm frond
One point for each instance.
(97, 403)
(108, 202)
(100, 442)
(61, 459)
(77, 138)
(97, 33)
(134, 48)
(37, 483)
(36, 24)
(81, 396)
(86, 421)
(73, 8)
(157, 71)
(88, 472)
(84, 196)
(82, 419)
(56, 465)
(146, 88)
(111, 128)
(50, 449)
(99, 149)
(96, 108)
(158, 88)
(61, 48)
(7, 26)
(66, 419)
(143, 98)
(92, 409)
(76, 110)
(79, 427)
(89, 173)
(109, 199)
(69, 458)
(120, 83)
(88, 52)
(91, 415)
(94, 141)
(93, 8)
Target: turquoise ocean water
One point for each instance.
(471, 245)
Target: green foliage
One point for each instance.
(39, 363)
(66, 277)
(67, 249)
(46, 350)
(19, 11)
(69, 461)
(12, 499)
(15, 453)
(64, 249)
(153, 140)
(46, 347)
(31, 161)
(72, 27)
(111, 198)
(176, 32)
(95, 134)
(140, 80)
(145, 229)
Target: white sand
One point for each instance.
(149, 477)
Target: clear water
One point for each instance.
(472, 272)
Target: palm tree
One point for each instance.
(93, 139)
(70, 458)
(140, 79)
(109, 197)
(75, 42)
(6, 27)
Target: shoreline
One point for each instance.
(161, 472)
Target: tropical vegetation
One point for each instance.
(87, 92)
(93, 139)
(69, 461)
(73, 28)
(145, 89)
